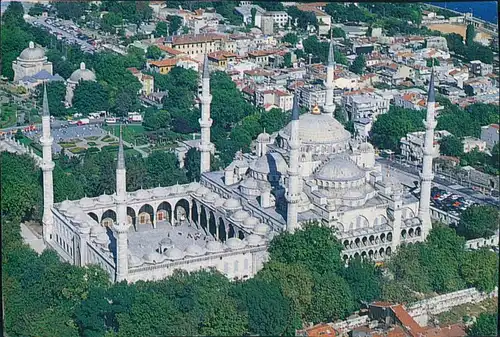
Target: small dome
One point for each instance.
(65, 205)
(74, 211)
(194, 250)
(250, 222)
(210, 197)
(160, 192)
(105, 199)
(254, 240)
(240, 215)
(231, 204)
(32, 53)
(142, 194)
(271, 163)
(250, 183)
(415, 221)
(219, 202)
(264, 137)
(202, 191)
(82, 74)
(166, 242)
(177, 189)
(339, 168)
(234, 243)
(214, 247)
(408, 222)
(153, 258)
(366, 147)
(86, 202)
(194, 186)
(261, 229)
(96, 230)
(134, 261)
(174, 254)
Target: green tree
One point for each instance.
(295, 282)
(90, 96)
(13, 15)
(273, 120)
(290, 38)
(70, 10)
(479, 269)
(253, 12)
(174, 23)
(432, 62)
(389, 128)
(110, 20)
(268, 310)
(162, 168)
(161, 29)
(153, 52)
(338, 32)
(486, 325)
(313, 246)
(359, 65)
(332, 299)
(451, 146)
(363, 279)
(155, 120)
(37, 9)
(124, 103)
(408, 271)
(470, 34)
(478, 222)
(287, 60)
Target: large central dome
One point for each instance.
(318, 129)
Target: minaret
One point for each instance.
(426, 176)
(329, 107)
(293, 193)
(47, 168)
(121, 226)
(205, 120)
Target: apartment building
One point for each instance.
(412, 145)
(490, 134)
(195, 45)
(311, 95)
(471, 143)
(479, 68)
(364, 106)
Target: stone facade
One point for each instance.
(30, 62)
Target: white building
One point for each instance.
(490, 134)
(412, 145)
(310, 170)
(471, 143)
(365, 105)
(30, 62)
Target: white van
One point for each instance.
(110, 120)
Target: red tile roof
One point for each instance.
(170, 50)
(164, 63)
(407, 321)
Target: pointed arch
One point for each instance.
(212, 228)
(231, 232)
(108, 218)
(203, 219)
(181, 211)
(146, 215)
(241, 235)
(194, 214)
(131, 218)
(222, 230)
(93, 216)
(164, 213)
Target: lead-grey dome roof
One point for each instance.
(318, 129)
(82, 74)
(272, 162)
(32, 53)
(339, 168)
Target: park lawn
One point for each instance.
(457, 313)
(92, 138)
(130, 132)
(77, 150)
(29, 142)
(8, 117)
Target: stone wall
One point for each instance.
(482, 242)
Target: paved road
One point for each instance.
(410, 174)
(68, 36)
(31, 239)
(56, 124)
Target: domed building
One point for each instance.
(30, 62)
(81, 74)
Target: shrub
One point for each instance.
(92, 143)
(77, 150)
(93, 149)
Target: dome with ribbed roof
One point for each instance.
(250, 183)
(142, 194)
(318, 129)
(177, 189)
(32, 53)
(105, 199)
(219, 202)
(82, 74)
(339, 168)
(202, 191)
(65, 205)
(234, 243)
(194, 186)
(250, 222)
(264, 137)
(261, 229)
(160, 192)
(87, 202)
(195, 250)
(153, 257)
(214, 247)
(174, 254)
(240, 215)
(210, 197)
(254, 240)
(271, 163)
(231, 204)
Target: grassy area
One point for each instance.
(131, 133)
(91, 143)
(458, 313)
(67, 145)
(92, 138)
(8, 115)
(108, 139)
(77, 150)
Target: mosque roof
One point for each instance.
(32, 53)
(339, 168)
(318, 128)
(272, 162)
(82, 74)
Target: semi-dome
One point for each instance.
(202, 191)
(272, 162)
(231, 204)
(65, 205)
(366, 147)
(318, 129)
(194, 250)
(210, 197)
(234, 243)
(134, 261)
(353, 194)
(105, 199)
(86, 202)
(261, 229)
(153, 257)
(415, 221)
(240, 215)
(174, 254)
(254, 240)
(142, 194)
(82, 74)
(250, 222)
(214, 247)
(32, 53)
(339, 168)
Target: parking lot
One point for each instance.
(449, 202)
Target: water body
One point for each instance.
(485, 10)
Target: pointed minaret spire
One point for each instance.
(47, 167)
(329, 107)
(206, 73)
(121, 156)
(427, 175)
(293, 193)
(45, 104)
(205, 147)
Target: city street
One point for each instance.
(409, 174)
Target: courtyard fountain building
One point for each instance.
(311, 170)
